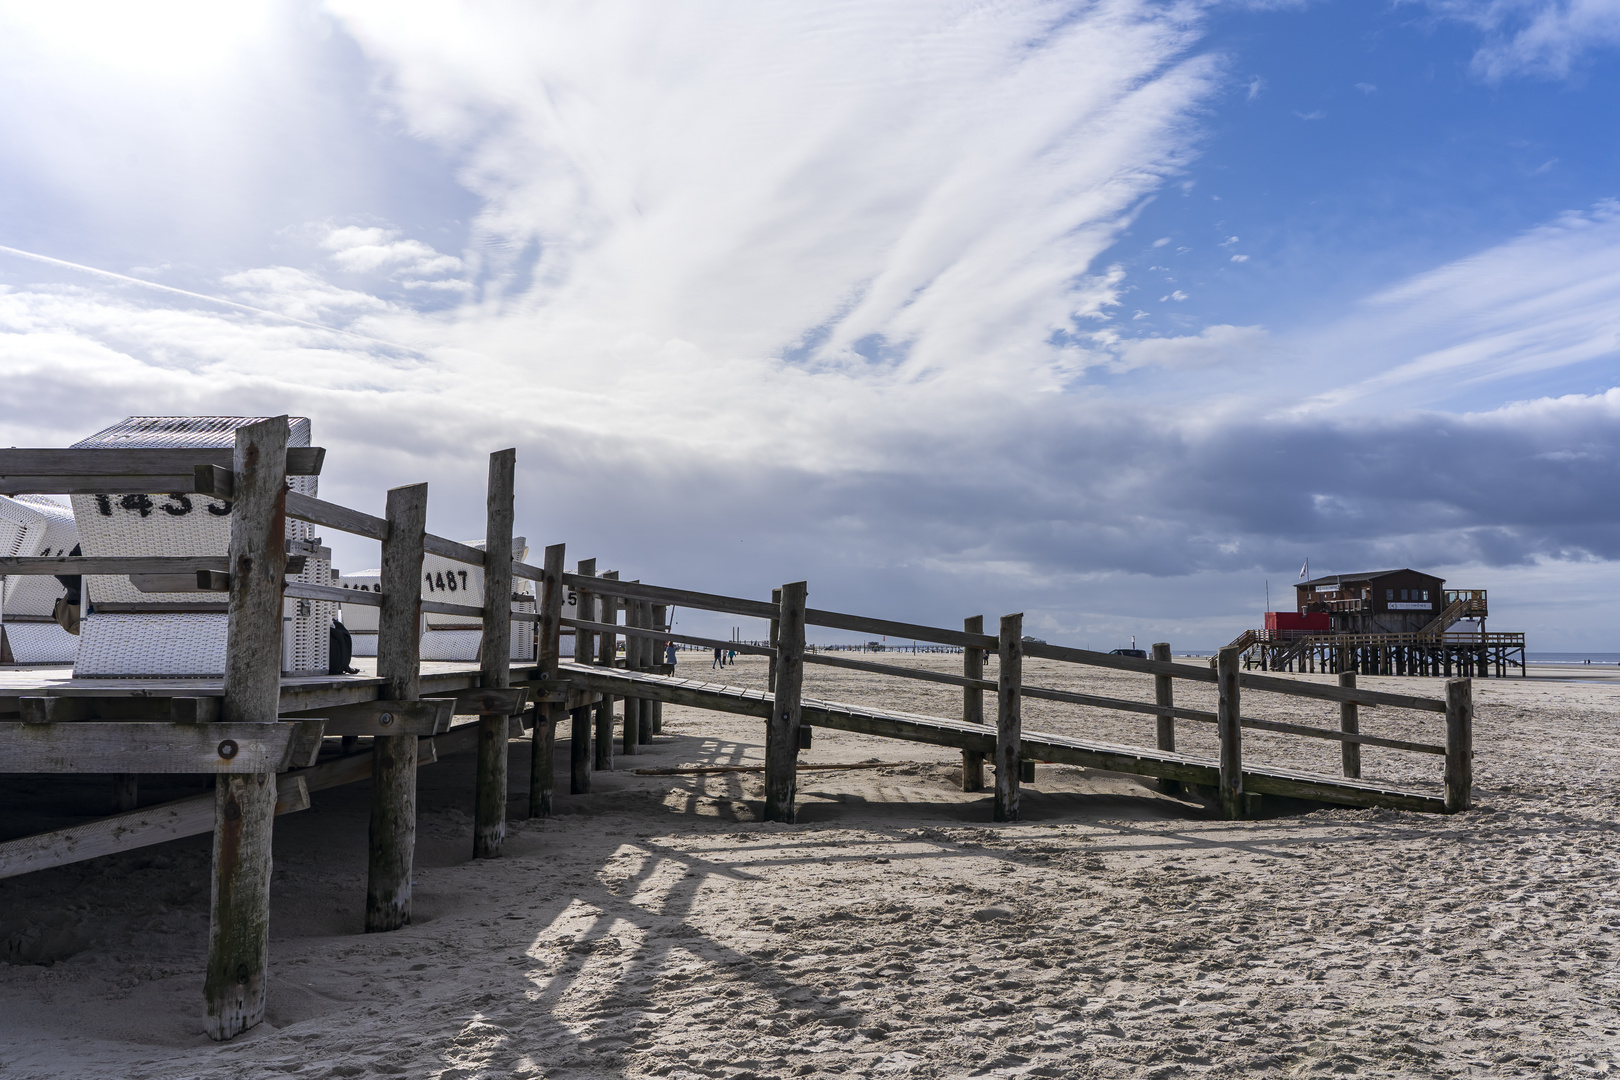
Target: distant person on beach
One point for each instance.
(669, 653)
(732, 658)
(719, 659)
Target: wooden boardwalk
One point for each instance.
(1034, 745)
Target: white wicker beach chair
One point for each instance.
(34, 525)
(158, 626)
(456, 637)
(361, 619)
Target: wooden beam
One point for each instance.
(628, 631)
(142, 564)
(142, 462)
(548, 653)
(973, 688)
(1164, 733)
(1459, 744)
(332, 516)
(466, 553)
(655, 662)
(1349, 723)
(919, 674)
(391, 838)
(1230, 730)
(770, 641)
(1009, 715)
(244, 805)
(604, 658)
(495, 665)
(127, 831)
(782, 731)
(677, 597)
(860, 623)
(429, 716)
(146, 747)
(484, 701)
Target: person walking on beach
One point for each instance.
(669, 653)
(719, 659)
(732, 658)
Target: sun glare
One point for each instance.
(172, 38)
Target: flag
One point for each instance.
(1305, 571)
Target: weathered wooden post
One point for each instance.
(245, 805)
(1459, 744)
(770, 639)
(1230, 729)
(1009, 715)
(543, 747)
(604, 657)
(632, 705)
(655, 660)
(391, 847)
(489, 806)
(644, 648)
(972, 704)
(1164, 693)
(1350, 722)
(585, 605)
(782, 731)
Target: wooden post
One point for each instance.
(1350, 721)
(579, 752)
(1164, 693)
(632, 705)
(391, 846)
(1231, 735)
(1009, 715)
(972, 704)
(585, 640)
(604, 708)
(645, 648)
(1459, 744)
(543, 742)
(660, 622)
(245, 805)
(489, 804)
(782, 731)
(776, 622)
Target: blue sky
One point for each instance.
(1107, 312)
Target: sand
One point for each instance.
(655, 929)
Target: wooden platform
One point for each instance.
(982, 738)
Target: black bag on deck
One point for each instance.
(340, 651)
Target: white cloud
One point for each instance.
(361, 250)
(1240, 258)
(1215, 346)
(1545, 38)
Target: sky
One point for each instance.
(1111, 313)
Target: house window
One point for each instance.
(1425, 594)
(1389, 594)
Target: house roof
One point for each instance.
(1366, 575)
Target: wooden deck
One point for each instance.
(1039, 746)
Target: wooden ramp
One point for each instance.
(954, 733)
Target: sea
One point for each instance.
(1609, 658)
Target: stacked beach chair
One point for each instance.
(34, 525)
(167, 626)
(445, 637)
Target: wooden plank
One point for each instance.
(919, 674)
(655, 657)
(973, 702)
(1350, 723)
(146, 747)
(608, 611)
(484, 701)
(585, 605)
(141, 461)
(782, 731)
(1009, 716)
(770, 641)
(391, 838)
(495, 665)
(95, 485)
(548, 651)
(244, 806)
(299, 590)
(429, 716)
(82, 564)
(1299, 688)
(439, 607)
(454, 549)
(841, 621)
(684, 639)
(332, 516)
(1459, 744)
(130, 830)
(1230, 730)
(677, 597)
(644, 648)
(631, 728)
(1164, 729)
